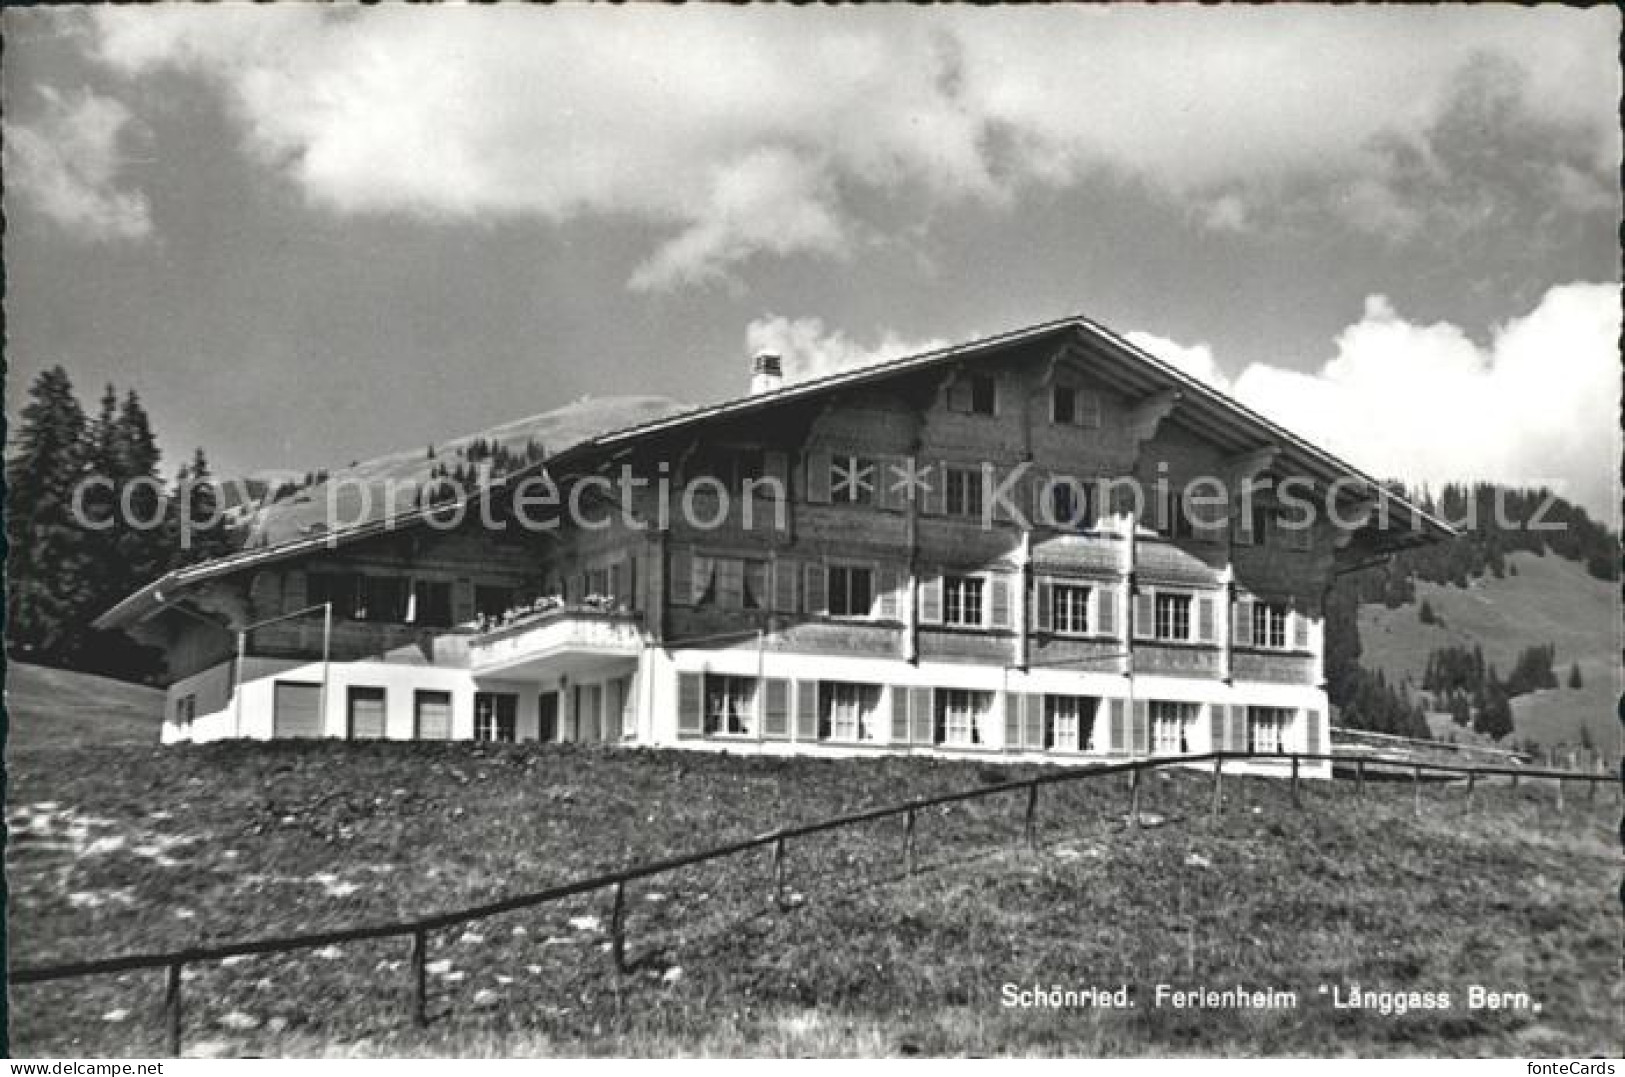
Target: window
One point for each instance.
(382, 598)
(1267, 728)
(961, 715)
(853, 480)
(367, 714)
(983, 395)
(431, 603)
(496, 716)
(730, 705)
(431, 715)
(962, 600)
(754, 595)
(1251, 527)
(1074, 407)
(848, 712)
(1069, 722)
(598, 582)
(338, 588)
(185, 710)
(1070, 604)
(492, 601)
(732, 468)
(851, 590)
(1173, 617)
(1171, 725)
(1068, 504)
(1178, 522)
(1269, 625)
(963, 492)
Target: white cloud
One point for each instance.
(811, 350)
(67, 163)
(734, 132)
(1197, 360)
(1537, 406)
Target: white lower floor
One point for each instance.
(750, 701)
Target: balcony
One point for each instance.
(563, 639)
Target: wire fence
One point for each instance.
(1026, 790)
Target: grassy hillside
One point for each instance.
(119, 849)
(54, 708)
(1549, 600)
(555, 431)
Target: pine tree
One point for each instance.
(1426, 614)
(139, 541)
(196, 499)
(1574, 676)
(50, 592)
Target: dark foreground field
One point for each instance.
(116, 849)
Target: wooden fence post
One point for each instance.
(172, 1008)
(908, 842)
(1030, 826)
(1218, 786)
(617, 928)
(1297, 802)
(1134, 796)
(420, 977)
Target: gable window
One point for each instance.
(1068, 504)
(983, 395)
(1269, 625)
(962, 600)
(1267, 728)
(730, 705)
(1070, 406)
(963, 492)
(961, 715)
(1250, 528)
(1171, 725)
(853, 479)
(851, 590)
(1070, 608)
(1069, 722)
(1173, 617)
(848, 712)
(496, 716)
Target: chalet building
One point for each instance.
(993, 550)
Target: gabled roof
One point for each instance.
(1219, 414)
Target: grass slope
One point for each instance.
(57, 708)
(555, 430)
(122, 849)
(1550, 600)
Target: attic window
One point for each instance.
(1071, 406)
(983, 396)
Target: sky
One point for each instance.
(310, 234)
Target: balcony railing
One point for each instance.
(562, 629)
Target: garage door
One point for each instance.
(366, 713)
(297, 710)
(434, 715)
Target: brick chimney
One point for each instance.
(766, 373)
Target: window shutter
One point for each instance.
(935, 501)
(1204, 618)
(1145, 614)
(887, 496)
(1236, 729)
(1013, 705)
(690, 704)
(899, 714)
(999, 604)
(776, 468)
(1042, 604)
(776, 711)
(1001, 508)
(817, 589)
(885, 604)
(1311, 732)
(1106, 611)
(1217, 714)
(818, 477)
(784, 585)
(1086, 408)
(959, 396)
(1142, 728)
(682, 575)
(920, 712)
(931, 600)
(1244, 622)
(1040, 510)
(806, 710)
(1118, 734)
(704, 573)
(1032, 720)
(1300, 629)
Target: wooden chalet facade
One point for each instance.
(955, 568)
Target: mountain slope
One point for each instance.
(59, 708)
(1547, 600)
(361, 492)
